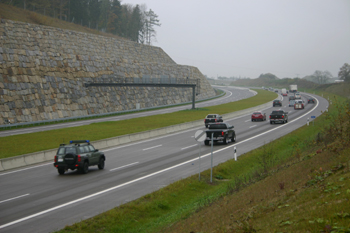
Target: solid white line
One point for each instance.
(247, 120)
(152, 147)
(1, 174)
(144, 177)
(15, 198)
(123, 166)
(252, 126)
(188, 147)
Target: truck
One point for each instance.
(278, 116)
(221, 132)
(212, 118)
(293, 88)
(284, 92)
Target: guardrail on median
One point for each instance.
(48, 155)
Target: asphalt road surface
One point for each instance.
(37, 199)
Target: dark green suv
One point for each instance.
(79, 154)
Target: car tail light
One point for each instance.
(282, 116)
(222, 133)
(216, 120)
(55, 158)
(79, 158)
(270, 117)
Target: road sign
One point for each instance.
(200, 136)
(313, 117)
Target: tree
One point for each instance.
(148, 32)
(268, 76)
(79, 11)
(322, 77)
(344, 72)
(105, 6)
(114, 21)
(94, 13)
(135, 25)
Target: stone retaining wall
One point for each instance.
(43, 71)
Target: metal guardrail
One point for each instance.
(33, 123)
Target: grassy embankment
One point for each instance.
(299, 183)
(28, 143)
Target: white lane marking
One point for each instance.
(252, 126)
(14, 198)
(152, 147)
(144, 177)
(123, 166)
(247, 120)
(1, 174)
(188, 147)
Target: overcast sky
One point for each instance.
(288, 38)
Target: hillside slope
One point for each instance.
(17, 14)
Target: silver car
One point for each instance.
(291, 103)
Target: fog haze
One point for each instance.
(241, 38)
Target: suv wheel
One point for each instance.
(101, 164)
(85, 168)
(225, 140)
(61, 171)
(233, 139)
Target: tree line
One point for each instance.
(132, 22)
(319, 77)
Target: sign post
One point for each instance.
(313, 122)
(200, 136)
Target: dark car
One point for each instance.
(258, 116)
(78, 154)
(311, 101)
(291, 97)
(277, 103)
(212, 118)
(220, 132)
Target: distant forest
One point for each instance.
(132, 22)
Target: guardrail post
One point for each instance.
(307, 123)
(235, 152)
(211, 165)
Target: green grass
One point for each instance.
(33, 142)
(264, 190)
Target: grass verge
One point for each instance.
(284, 186)
(33, 142)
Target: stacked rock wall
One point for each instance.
(43, 71)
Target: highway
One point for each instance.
(37, 199)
